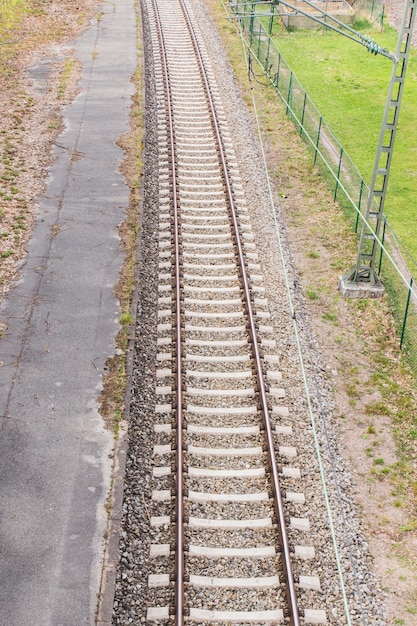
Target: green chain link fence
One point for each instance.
(373, 10)
(396, 267)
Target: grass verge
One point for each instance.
(114, 384)
(349, 86)
(374, 390)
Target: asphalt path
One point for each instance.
(63, 316)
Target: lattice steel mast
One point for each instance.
(365, 269)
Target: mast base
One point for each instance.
(361, 285)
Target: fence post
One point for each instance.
(243, 18)
(338, 174)
(278, 70)
(359, 205)
(406, 313)
(259, 42)
(271, 23)
(289, 95)
(318, 139)
(271, 19)
(266, 68)
(303, 113)
(252, 17)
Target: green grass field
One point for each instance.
(349, 86)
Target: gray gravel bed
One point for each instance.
(213, 485)
(132, 593)
(223, 441)
(213, 510)
(224, 463)
(239, 568)
(225, 421)
(240, 599)
(248, 538)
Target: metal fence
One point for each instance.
(374, 10)
(396, 267)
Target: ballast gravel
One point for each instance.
(133, 596)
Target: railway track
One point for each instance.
(242, 551)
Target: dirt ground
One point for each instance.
(373, 390)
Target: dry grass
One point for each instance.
(11, 13)
(113, 394)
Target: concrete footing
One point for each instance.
(351, 289)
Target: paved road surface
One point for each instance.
(63, 318)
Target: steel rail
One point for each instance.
(179, 500)
(278, 502)
(179, 507)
